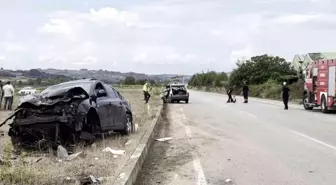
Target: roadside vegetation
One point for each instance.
(264, 74)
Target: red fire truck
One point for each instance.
(319, 87)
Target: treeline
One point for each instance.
(264, 74)
(207, 79)
(39, 81)
(130, 80)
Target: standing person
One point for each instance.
(245, 92)
(146, 89)
(1, 93)
(285, 95)
(8, 90)
(229, 93)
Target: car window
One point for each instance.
(98, 87)
(110, 91)
(118, 94)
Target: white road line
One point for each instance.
(250, 114)
(201, 180)
(315, 140)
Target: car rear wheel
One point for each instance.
(187, 101)
(128, 125)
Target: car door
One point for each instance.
(114, 104)
(121, 112)
(103, 108)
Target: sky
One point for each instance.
(160, 36)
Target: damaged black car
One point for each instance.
(68, 112)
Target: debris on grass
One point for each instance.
(62, 153)
(90, 179)
(164, 139)
(114, 152)
(228, 180)
(128, 142)
(76, 155)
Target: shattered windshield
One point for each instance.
(85, 85)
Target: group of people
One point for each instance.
(285, 94)
(245, 94)
(6, 95)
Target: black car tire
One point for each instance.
(324, 105)
(128, 125)
(305, 103)
(187, 101)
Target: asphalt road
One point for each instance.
(258, 143)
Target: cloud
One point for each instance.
(58, 26)
(13, 46)
(87, 61)
(155, 37)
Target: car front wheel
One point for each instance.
(128, 125)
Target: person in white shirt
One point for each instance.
(8, 91)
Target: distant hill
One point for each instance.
(104, 75)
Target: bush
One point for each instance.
(272, 90)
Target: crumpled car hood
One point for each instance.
(51, 97)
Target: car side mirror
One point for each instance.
(101, 92)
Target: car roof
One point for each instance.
(86, 80)
(73, 83)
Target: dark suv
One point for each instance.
(175, 93)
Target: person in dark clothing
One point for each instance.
(229, 93)
(1, 93)
(245, 92)
(285, 95)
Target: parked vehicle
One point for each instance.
(175, 93)
(319, 86)
(27, 90)
(67, 112)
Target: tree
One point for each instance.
(129, 80)
(260, 69)
(140, 82)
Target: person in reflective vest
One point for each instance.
(146, 89)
